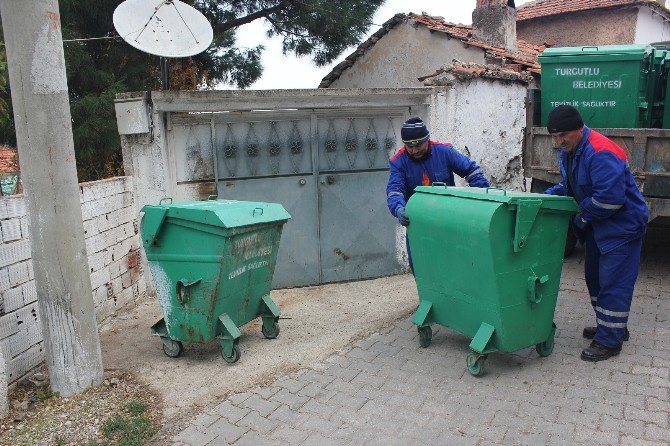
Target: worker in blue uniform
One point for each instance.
(421, 162)
(611, 224)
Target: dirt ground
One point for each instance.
(317, 322)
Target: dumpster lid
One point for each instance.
(608, 52)
(224, 213)
(499, 195)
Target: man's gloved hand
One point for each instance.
(580, 226)
(402, 218)
(580, 223)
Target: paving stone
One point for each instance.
(289, 434)
(193, 437)
(263, 407)
(230, 412)
(258, 423)
(225, 432)
(253, 438)
(388, 391)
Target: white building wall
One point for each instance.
(487, 116)
(112, 244)
(403, 55)
(651, 27)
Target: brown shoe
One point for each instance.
(590, 333)
(597, 352)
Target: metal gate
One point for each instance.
(327, 166)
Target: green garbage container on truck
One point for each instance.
(612, 86)
(488, 265)
(212, 264)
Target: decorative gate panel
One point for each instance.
(328, 168)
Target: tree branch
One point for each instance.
(223, 27)
(274, 24)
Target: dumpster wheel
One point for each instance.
(271, 333)
(425, 336)
(172, 348)
(234, 357)
(545, 348)
(475, 364)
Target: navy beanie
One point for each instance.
(414, 132)
(564, 118)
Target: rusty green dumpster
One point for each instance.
(212, 264)
(488, 264)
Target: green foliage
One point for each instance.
(136, 407)
(44, 395)
(131, 428)
(99, 69)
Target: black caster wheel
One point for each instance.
(234, 357)
(476, 364)
(425, 336)
(271, 333)
(172, 348)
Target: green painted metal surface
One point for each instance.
(212, 264)
(612, 86)
(488, 263)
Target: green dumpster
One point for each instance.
(212, 264)
(488, 264)
(611, 86)
(666, 80)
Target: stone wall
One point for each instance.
(113, 246)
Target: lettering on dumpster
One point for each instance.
(260, 252)
(574, 71)
(585, 104)
(246, 268)
(596, 85)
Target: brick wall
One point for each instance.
(113, 247)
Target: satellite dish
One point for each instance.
(166, 28)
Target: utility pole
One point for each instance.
(38, 83)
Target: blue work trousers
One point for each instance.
(610, 279)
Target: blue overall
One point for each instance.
(438, 165)
(612, 224)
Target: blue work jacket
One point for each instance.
(439, 165)
(604, 188)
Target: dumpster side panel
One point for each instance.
(452, 260)
(528, 280)
(249, 262)
(186, 265)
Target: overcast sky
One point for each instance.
(292, 72)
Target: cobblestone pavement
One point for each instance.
(388, 391)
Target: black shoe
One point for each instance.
(596, 352)
(590, 333)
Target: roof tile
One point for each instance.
(546, 8)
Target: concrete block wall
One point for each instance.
(111, 229)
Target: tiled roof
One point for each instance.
(546, 8)
(9, 161)
(523, 60)
(463, 70)
(526, 57)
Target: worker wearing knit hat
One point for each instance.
(564, 118)
(414, 132)
(421, 162)
(611, 224)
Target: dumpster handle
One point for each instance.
(533, 282)
(183, 289)
(590, 47)
(496, 188)
(165, 199)
(253, 213)
(212, 197)
(439, 183)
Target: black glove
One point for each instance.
(402, 218)
(580, 223)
